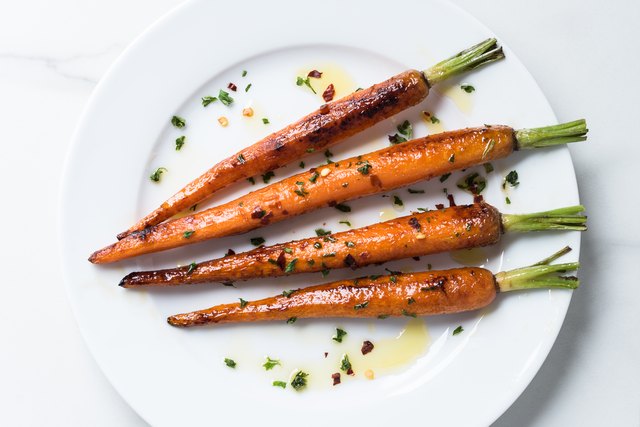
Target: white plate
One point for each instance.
(176, 377)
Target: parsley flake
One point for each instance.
(458, 330)
(340, 333)
(178, 122)
(155, 177)
(299, 380)
(180, 142)
(225, 98)
(270, 364)
(206, 100)
(467, 88)
(230, 362)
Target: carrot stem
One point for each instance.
(552, 135)
(540, 275)
(483, 53)
(557, 219)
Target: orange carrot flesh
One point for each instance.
(457, 227)
(416, 294)
(376, 172)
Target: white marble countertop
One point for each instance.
(584, 55)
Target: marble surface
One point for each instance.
(52, 54)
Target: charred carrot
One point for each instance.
(457, 227)
(330, 124)
(416, 294)
(376, 172)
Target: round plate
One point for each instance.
(177, 377)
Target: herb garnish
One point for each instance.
(299, 381)
(191, 268)
(364, 169)
(340, 333)
(289, 292)
(291, 265)
(507, 200)
(361, 305)
(241, 159)
(270, 364)
(458, 330)
(206, 100)
(472, 183)
(244, 73)
(243, 303)
(257, 241)
(301, 164)
(322, 232)
(412, 191)
(314, 177)
(342, 207)
(405, 130)
(225, 98)
(155, 177)
(292, 320)
(406, 313)
(345, 364)
(488, 167)
(267, 177)
(188, 234)
(347, 223)
(265, 120)
(317, 245)
(180, 142)
(246, 89)
(300, 81)
(397, 201)
(252, 180)
(444, 177)
(178, 122)
(280, 384)
(511, 178)
(452, 158)
(230, 362)
(467, 88)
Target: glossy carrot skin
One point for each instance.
(418, 294)
(324, 127)
(457, 227)
(376, 172)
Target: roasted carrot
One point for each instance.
(457, 227)
(330, 124)
(372, 173)
(416, 294)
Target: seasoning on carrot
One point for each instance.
(435, 292)
(377, 172)
(347, 116)
(415, 235)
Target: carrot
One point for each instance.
(457, 227)
(417, 294)
(330, 124)
(376, 172)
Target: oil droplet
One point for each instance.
(461, 99)
(388, 214)
(475, 257)
(343, 83)
(393, 353)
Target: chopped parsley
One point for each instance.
(257, 241)
(314, 177)
(289, 292)
(288, 250)
(412, 191)
(252, 180)
(155, 177)
(191, 268)
(347, 223)
(230, 362)
(434, 119)
(340, 333)
(444, 177)
(301, 164)
(178, 122)
(188, 234)
(397, 201)
(243, 303)
(246, 89)
(241, 159)
(383, 316)
(317, 245)
(280, 384)
(322, 232)
(361, 305)
(467, 88)
(291, 266)
(265, 120)
(270, 364)
(458, 330)
(225, 98)
(511, 178)
(406, 313)
(292, 320)
(299, 380)
(244, 73)
(345, 364)
(364, 169)
(472, 183)
(405, 132)
(267, 177)
(452, 158)
(180, 142)
(328, 153)
(411, 300)
(300, 81)
(507, 200)
(206, 100)
(342, 207)
(488, 167)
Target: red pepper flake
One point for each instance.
(367, 346)
(477, 198)
(336, 378)
(315, 74)
(329, 93)
(415, 224)
(232, 87)
(350, 371)
(281, 261)
(324, 109)
(258, 213)
(265, 219)
(439, 206)
(325, 354)
(451, 201)
(351, 262)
